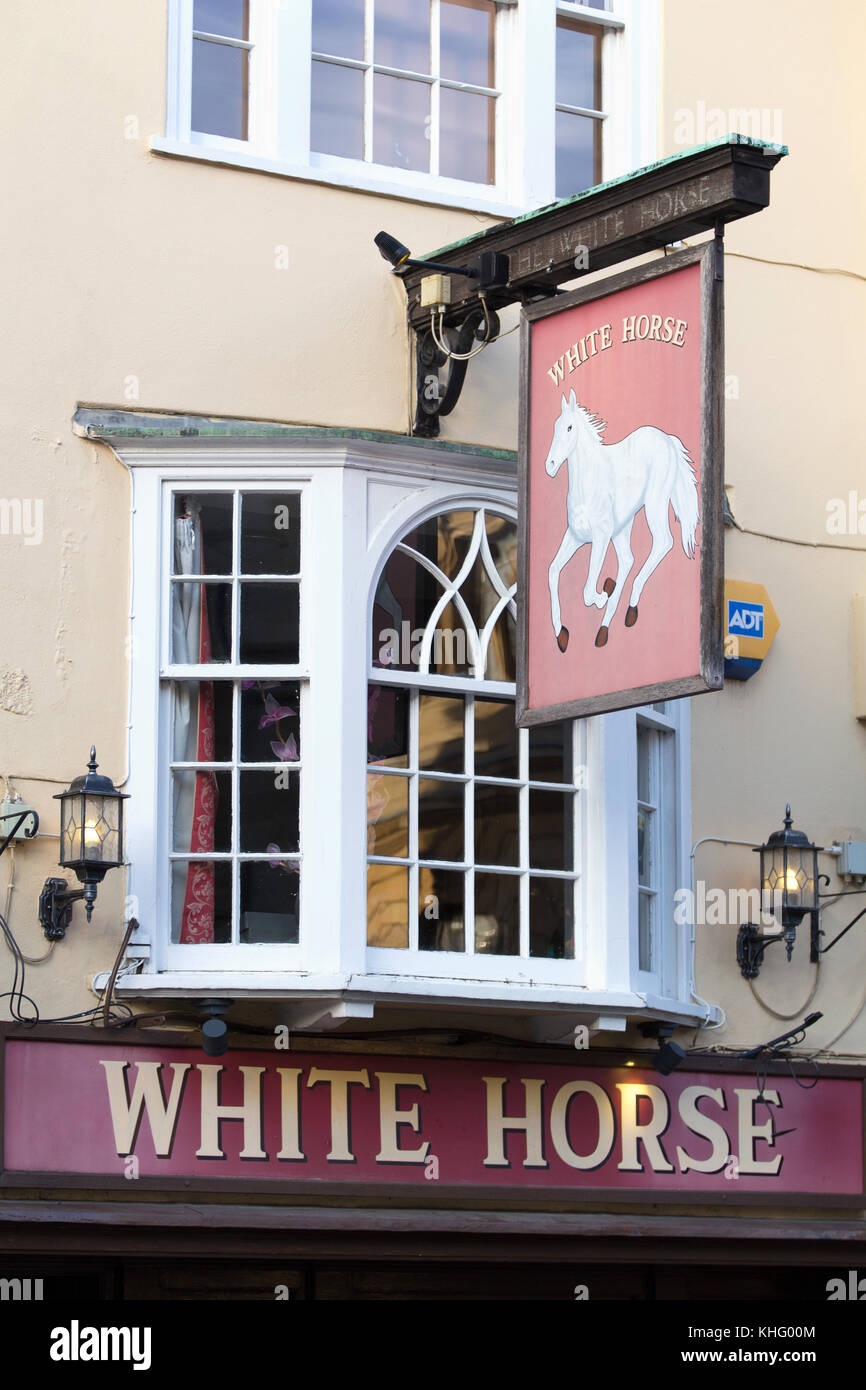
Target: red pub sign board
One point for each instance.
(169, 1116)
(621, 487)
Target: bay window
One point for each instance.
(330, 803)
(500, 105)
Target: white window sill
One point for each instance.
(344, 991)
(355, 179)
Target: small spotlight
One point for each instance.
(215, 1037)
(392, 250)
(668, 1058)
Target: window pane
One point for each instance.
(478, 593)
(444, 540)
(644, 751)
(201, 722)
(219, 89)
(269, 812)
(227, 17)
(270, 533)
(387, 905)
(201, 903)
(550, 758)
(646, 905)
(405, 599)
(497, 914)
(551, 833)
(440, 738)
(578, 146)
(338, 27)
(466, 41)
(269, 903)
(200, 623)
(645, 847)
(450, 652)
(337, 111)
(501, 663)
(440, 910)
(388, 815)
(551, 918)
(270, 721)
(201, 812)
(440, 819)
(387, 726)
(496, 825)
(270, 624)
(577, 67)
(502, 539)
(466, 136)
(401, 35)
(203, 533)
(495, 739)
(400, 124)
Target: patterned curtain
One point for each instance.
(195, 796)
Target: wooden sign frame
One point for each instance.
(710, 675)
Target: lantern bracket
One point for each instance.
(19, 818)
(55, 906)
(751, 945)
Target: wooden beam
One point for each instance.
(676, 198)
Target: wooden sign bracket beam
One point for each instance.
(685, 195)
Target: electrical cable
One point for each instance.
(825, 1047)
(17, 994)
(791, 540)
(459, 356)
(786, 1018)
(798, 265)
(10, 886)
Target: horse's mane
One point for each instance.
(593, 422)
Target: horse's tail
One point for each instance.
(685, 496)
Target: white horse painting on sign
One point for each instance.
(607, 486)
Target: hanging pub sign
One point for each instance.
(621, 458)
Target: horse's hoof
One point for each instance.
(601, 637)
(562, 639)
(609, 585)
(631, 617)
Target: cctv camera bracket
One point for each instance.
(661, 1031)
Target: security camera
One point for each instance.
(215, 1037)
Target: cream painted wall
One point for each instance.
(135, 280)
(794, 442)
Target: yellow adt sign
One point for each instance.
(751, 623)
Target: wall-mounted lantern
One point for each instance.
(789, 891)
(91, 843)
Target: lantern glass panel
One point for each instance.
(772, 878)
(71, 823)
(102, 829)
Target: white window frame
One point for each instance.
(376, 490)
(279, 114)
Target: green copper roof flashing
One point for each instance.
(777, 151)
(155, 426)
